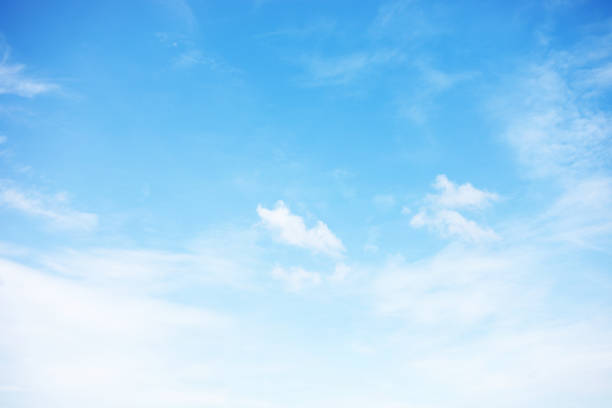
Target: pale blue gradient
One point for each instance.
(305, 204)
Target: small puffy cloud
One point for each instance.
(52, 208)
(296, 278)
(449, 223)
(292, 230)
(2, 139)
(460, 196)
(440, 212)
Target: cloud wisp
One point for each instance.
(292, 230)
(13, 79)
(54, 209)
(344, 69)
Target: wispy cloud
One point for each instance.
(66, 341)
(384, 201)
(54, 209)
(210, 262)
(451, 224)
(15, 81)
(193, 58)
(551, 116)
(182, 11)
(418, 104)
(455, 286)
(296, 278)
(344, 69)
(320, 26)
(402, 20)
(553, 134)
(292, 230)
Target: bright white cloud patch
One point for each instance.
(293, 231)
(465, 195)
(440, 213)
(51, 208)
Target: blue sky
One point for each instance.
(399, 204)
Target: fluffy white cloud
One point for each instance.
(441, 216)
(52, 208)
(293, 231)
(463, 196)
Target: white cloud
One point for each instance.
(441, 216)
(193, 57)
(456, 286)
(296, 278)
(551, 122)
(2, 139)
(14, 81)
(209, 260)
(66, 343)
(462, 196)
(52, 208)
(530, 366)
(450, 223)
(293, 231)
(581, 215)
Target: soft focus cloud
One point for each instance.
(52, 208)
(13, 79)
